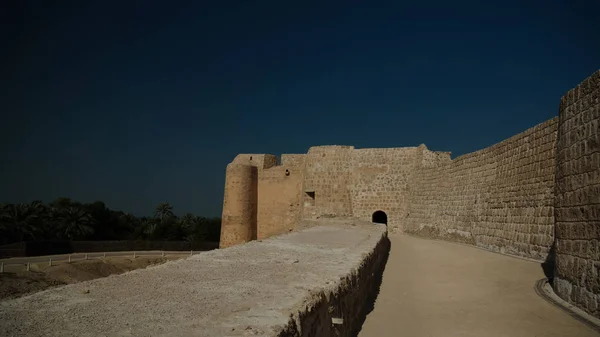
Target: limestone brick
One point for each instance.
(499, 198)
(238, 223)
(537, 190)
(577, 202)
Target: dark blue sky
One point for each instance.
(141, 102)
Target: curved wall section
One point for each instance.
(577, 202)
(499, 198)
(239, 205)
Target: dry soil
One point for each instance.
(42, 276)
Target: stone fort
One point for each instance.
(534, 195)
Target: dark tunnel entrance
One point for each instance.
(380, 217)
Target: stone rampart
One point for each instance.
(499, 198)
(577, 202)
(317, 282)
(380, 181)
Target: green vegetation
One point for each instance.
(64, 219)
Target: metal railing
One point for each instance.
(26, 263)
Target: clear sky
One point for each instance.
(141, 102)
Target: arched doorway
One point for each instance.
(380, 217)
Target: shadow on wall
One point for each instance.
(378, 278)
(254, 223)
(352, 301)
(549, 264)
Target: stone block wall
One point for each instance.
(238, 224)
(294, 160)
(261, 161)
(280, 197)
(517, 214)
(521, 196)
(327, 176)
(577, 202)
(380, 181)
(499, 198)
(350, 300)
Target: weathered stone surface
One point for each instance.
(239, 205)
(500, 198)
(513, 197)
(577, 202)
(291, 285)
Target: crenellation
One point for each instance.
(261, 161)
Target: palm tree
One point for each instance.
(62, 202)
(75, 223)
(148, 227)
(18, 221)
(187, 221)
(163, 211)
(43, 221)
(196, 228)
(129, 218)
(4, 225)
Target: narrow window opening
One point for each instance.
(309, 198)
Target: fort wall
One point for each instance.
(280, 197)
(238, 224)
(317, 282)
(499, 198)
(577, 202)
(328, 175)
(532, 192)
(380, 181)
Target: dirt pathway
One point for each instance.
(434, 288)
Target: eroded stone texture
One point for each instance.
(291, 285)
(328, 175)
(238, 224)
(500, 198)
(380, 180)
(577, 202)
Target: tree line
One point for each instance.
(65, 219)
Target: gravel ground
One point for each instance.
(246, 290)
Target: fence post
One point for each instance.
(69, 258)
(28, 266)
(86, 257)
(104, 255)
(162, 253)
(191, 252)
(50, 262)
(1, 267)
(134, 254)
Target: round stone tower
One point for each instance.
(238, 224)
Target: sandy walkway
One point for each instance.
(433, 288)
